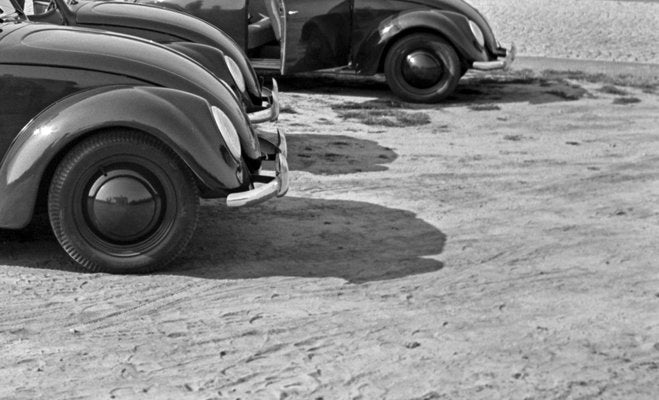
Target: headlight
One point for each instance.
(478, 34)
(228, 131)
(236, 74)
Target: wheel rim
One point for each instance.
(422, 69)
(124, 206)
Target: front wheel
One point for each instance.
(122, 202)
(422, 68)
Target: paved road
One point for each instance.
(602, 30)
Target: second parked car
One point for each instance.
(422, 46)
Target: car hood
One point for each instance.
(166, 21)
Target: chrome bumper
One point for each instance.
(267, 184)
(498, 64)
(271, 106)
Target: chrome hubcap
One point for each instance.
(124, 206)
(422, 69)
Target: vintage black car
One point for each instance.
(205, 43)
(117, 138)
(422, 46)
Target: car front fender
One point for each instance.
(210, 57)
(181, 120)
(213, 60)
(453, 26)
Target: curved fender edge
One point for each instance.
(210, 57)
(213, 60)
(181, 120)
(453, 26)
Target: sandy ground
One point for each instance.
(505, 250)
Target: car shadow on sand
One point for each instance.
(474, 88)
(298, 237)
(352, 240)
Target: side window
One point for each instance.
(7, 7)
(256, 9)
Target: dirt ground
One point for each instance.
(503, 248)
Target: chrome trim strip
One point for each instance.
(283, 39)
(266, 63)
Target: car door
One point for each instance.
(317, 34)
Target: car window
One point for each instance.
(28, 7)
(11, 11)
(7, 8)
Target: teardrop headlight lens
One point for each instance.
(478, 34)
(228, 131)
(236, 73)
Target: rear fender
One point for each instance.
(453, 26)
(181, 120)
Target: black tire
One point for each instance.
(431, 83)
(117, 177)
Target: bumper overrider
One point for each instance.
(270, 111)
(267, 184)
(500, 63)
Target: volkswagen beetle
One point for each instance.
(205, 43)
(117, 138)
(423, 47)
